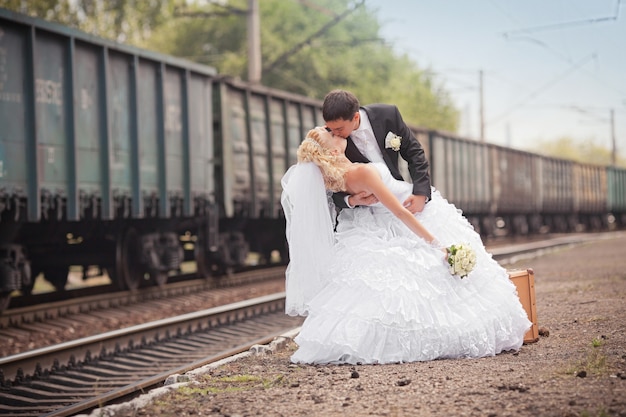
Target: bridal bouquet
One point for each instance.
(461, 259)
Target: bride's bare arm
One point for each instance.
(365, 178)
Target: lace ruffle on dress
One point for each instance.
(388, 296)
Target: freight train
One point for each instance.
(502, 190)
(132, 162)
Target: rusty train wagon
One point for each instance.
(590, 197)
(616, 202)
(107, 156)
(460, 171)
(258, 130)
(495, 187)
(509, 191)
(555, 194)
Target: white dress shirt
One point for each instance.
(365, 140)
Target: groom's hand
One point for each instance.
(415, 203)
(363, 198)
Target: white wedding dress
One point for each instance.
(387, 296)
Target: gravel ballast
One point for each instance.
(577, 368)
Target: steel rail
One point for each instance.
(38, 361)
(116, 375)
(514, 252)
(152, 382)
(41, 312)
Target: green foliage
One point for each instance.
(238, 382)
(127, 21)
(299, 56)
(586, 152)
(596, 342)
(307, 48)
(600, 412)
(595, 361)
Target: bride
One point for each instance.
(377, 288)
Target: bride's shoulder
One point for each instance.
(363, 168)
(363, 171)
(361, 177)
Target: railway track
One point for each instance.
(43, 312)
(44, 380)
(512, 252)
(84, 374)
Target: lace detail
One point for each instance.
(390, 297)
(332, 209)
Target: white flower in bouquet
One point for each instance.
(461, 259)
(393, 141)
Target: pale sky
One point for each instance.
(551, 68)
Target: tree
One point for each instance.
(127, 21)
(308, 47)
(586, 151)
(310, 50)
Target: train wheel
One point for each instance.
(573, 224)
(129, 273)
(57, 276)
(560, 224)
(34, 270)
(520, 226)
(159, 278)
(488, 226)
(205, 265)
(27, 289)
(535, 223)
(596, 223)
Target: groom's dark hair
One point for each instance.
(339, 104)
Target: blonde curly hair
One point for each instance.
(311, 150)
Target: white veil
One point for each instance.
(309, 233)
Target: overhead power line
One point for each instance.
(544, 87)
(564, 25)
(282, 58)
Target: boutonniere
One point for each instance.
(393, 141)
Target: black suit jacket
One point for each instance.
(386, 118)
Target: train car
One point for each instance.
(514, 181)
(494, 186)
(258, 130)
(557, 203)
(460, 171)
(513, 192)
(590, 196)
(107, 156)
(616, 196)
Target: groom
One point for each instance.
(376, 133)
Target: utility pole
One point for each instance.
(611, 127)
(254, 42)
(482, 107)
(613, 144)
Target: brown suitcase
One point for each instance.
(524, 280)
